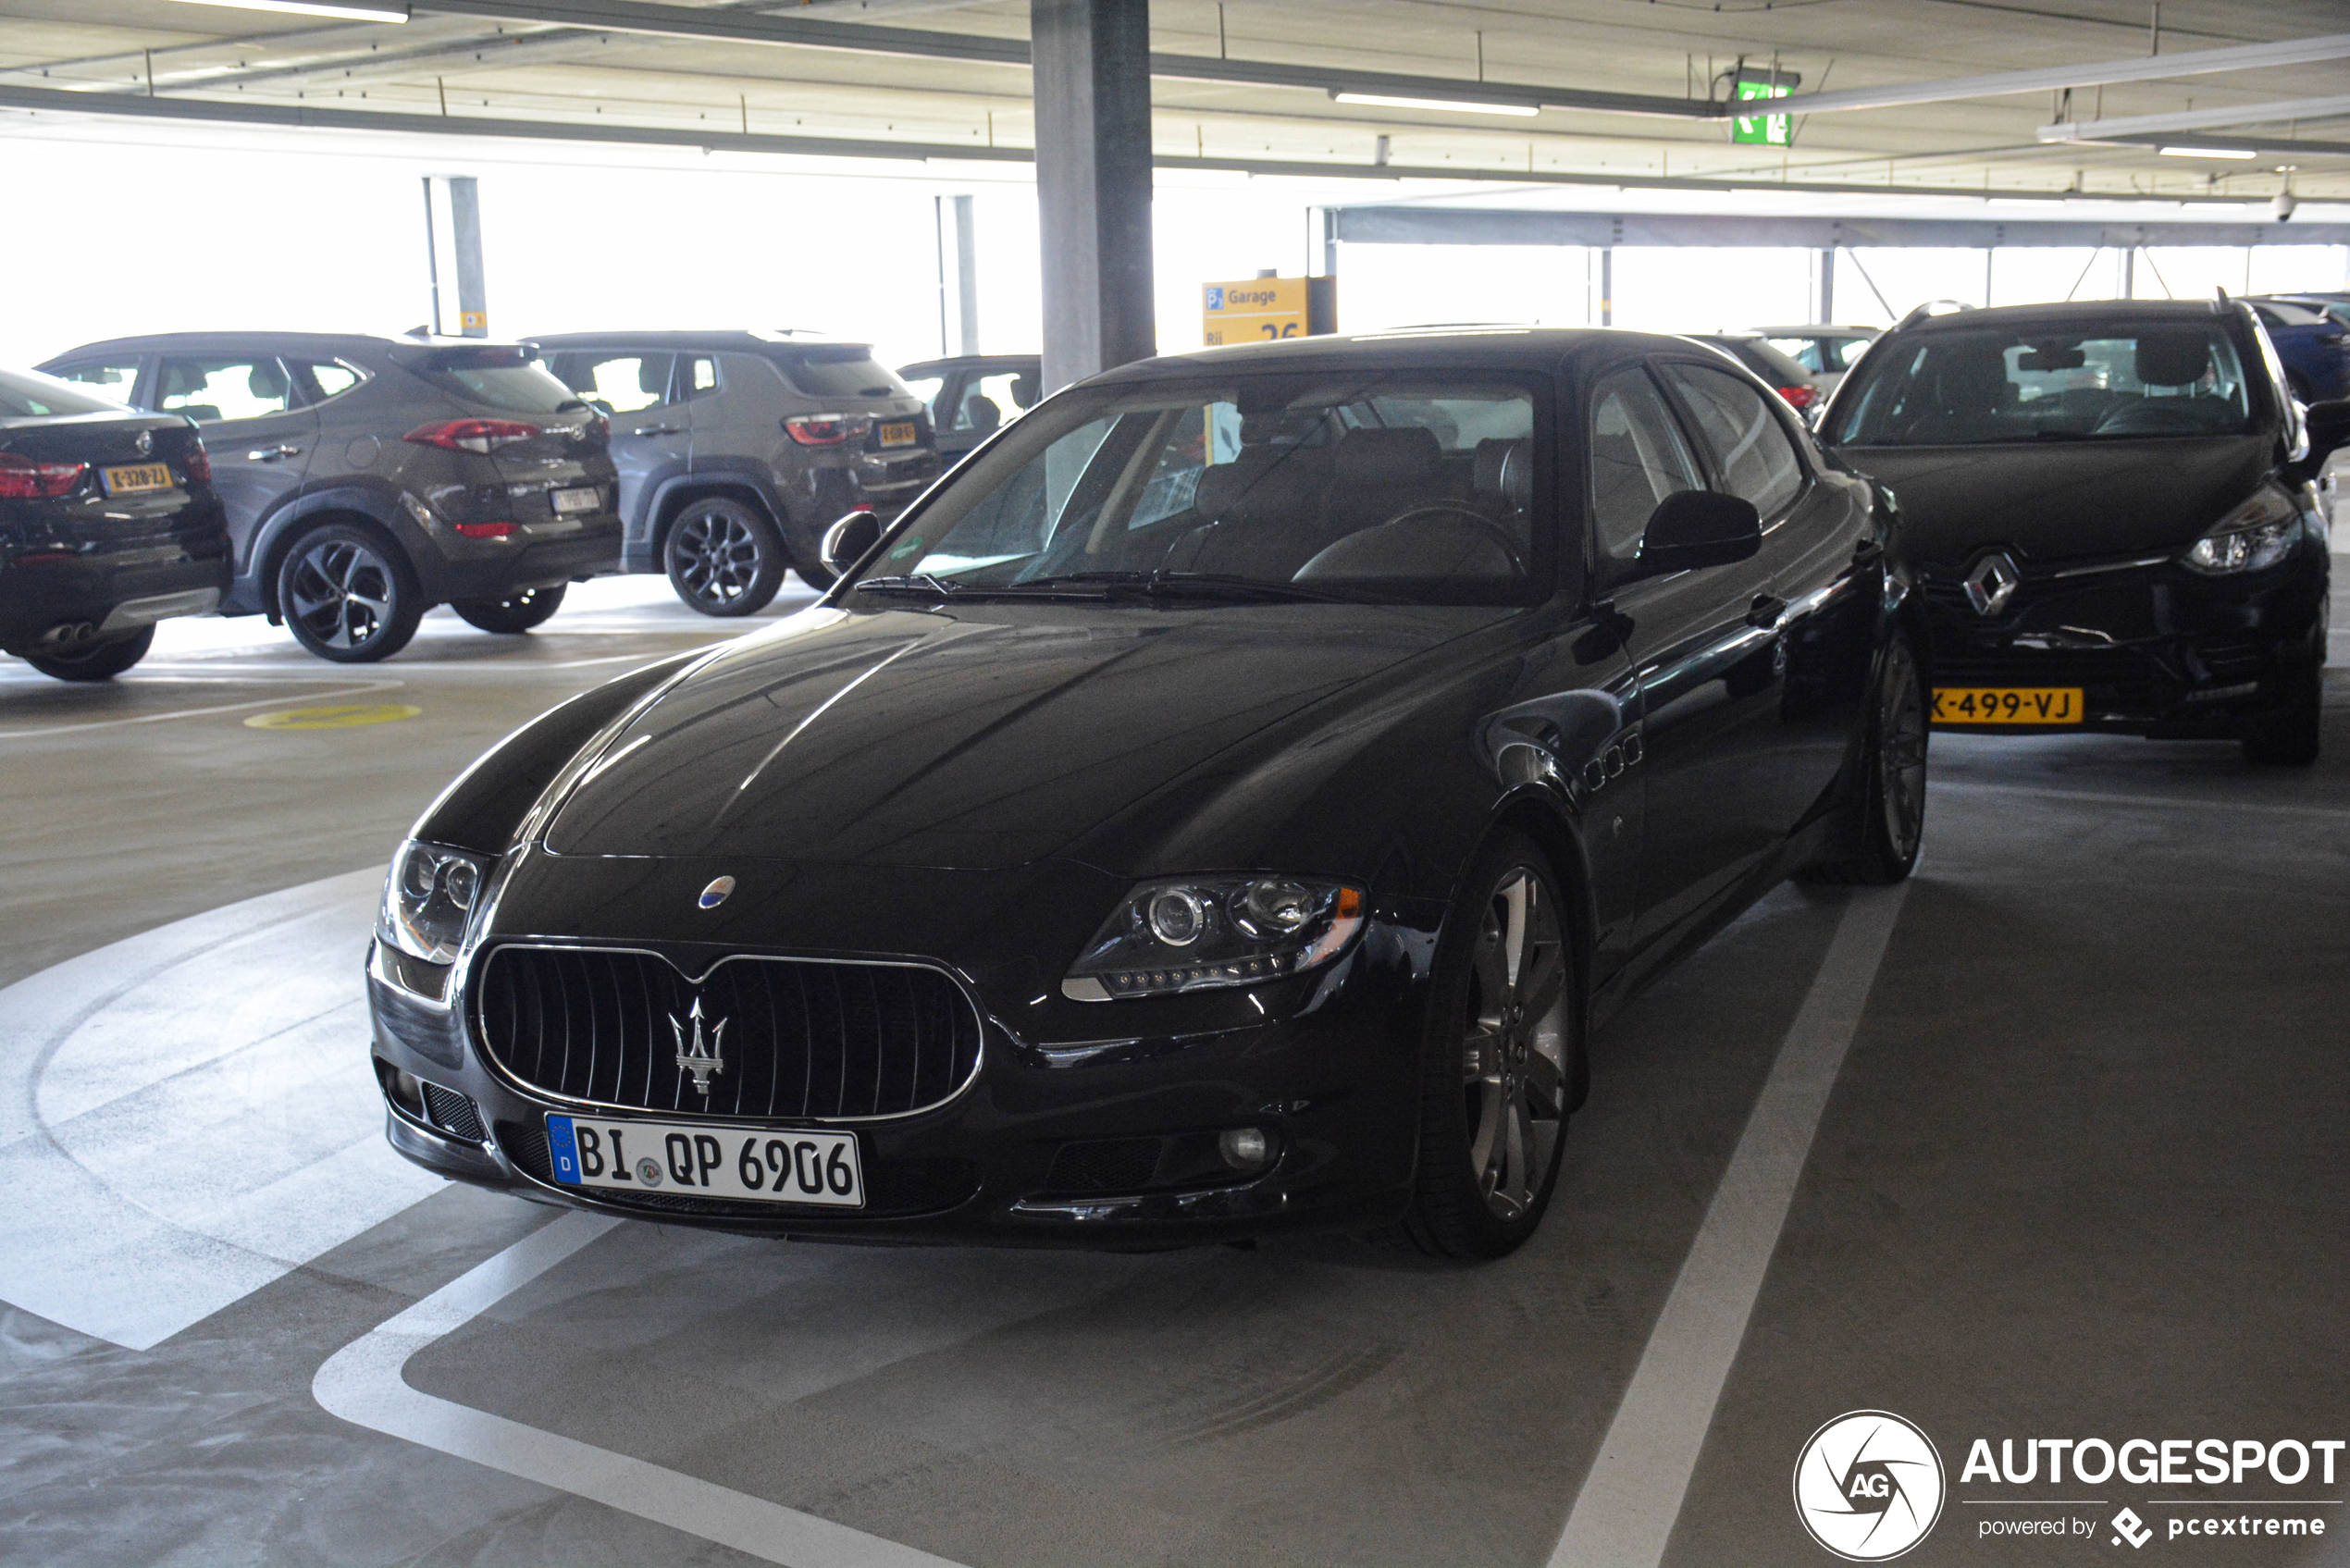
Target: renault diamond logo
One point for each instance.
(1993, 583)
(1868, 1485)
(696, 1056)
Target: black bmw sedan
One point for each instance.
(2110, 510)
(1225, 803)
(108, 524)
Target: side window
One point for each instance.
(927, 387)
(986, 401)
(617, 383)
(1805, 351)
(1638, 458)
(315, 380)
(211, 388)
(1750, 447)
(109, 379)
(696, 375)
(1849, 349)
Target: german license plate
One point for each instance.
(696, 1159)
(132, 479)
(2007, 704)
(898, 433)
(586, 497)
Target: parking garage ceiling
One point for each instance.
(2082, 97)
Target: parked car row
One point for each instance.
(1485, 674)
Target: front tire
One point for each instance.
(347, 595)
(723, 559)
(1892, 779)
(97, 662)
(532, 607)
(1501, 1058)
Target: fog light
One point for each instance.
(1245, 1148)
(402, 1088)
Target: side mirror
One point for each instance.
(848, 541)
(1697, 528)
(2328, 424)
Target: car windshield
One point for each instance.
(28, 394)
(1412, 488)
(1971, 387)
(847, 371)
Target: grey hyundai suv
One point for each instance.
(368, 480)
(738, 450)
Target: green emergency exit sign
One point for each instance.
(1768, 130)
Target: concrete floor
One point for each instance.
(2082, 1174)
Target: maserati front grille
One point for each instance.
(756, 1037)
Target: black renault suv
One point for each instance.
(368, 479)
(2110, 510)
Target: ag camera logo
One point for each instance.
(1869, 1486)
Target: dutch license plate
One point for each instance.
(132, 479)
(2007, 704)
(696, 1159)
(584, 499)
(899, 433)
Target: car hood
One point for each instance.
(969, 737)
(2063, 499)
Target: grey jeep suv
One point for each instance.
(738, 450)
(368, 480)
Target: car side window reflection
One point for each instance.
(697, 375)
(1638, 458)
(209, 391)
(112, 379)
(316, 380)
(617, 383)
(1750, 447)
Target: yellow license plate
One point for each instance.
(898, 434)
(133, 478)
(2007, 704)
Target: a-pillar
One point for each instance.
(1093, 93)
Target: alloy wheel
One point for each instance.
(715, 556)
(1514, 1054)
(342, 592)
(1901, 732)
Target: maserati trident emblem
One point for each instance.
(716, 893)
(1993, 583)
(696, 1055)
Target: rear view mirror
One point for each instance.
(847, 541)
(1697, 528)
(2328, 424)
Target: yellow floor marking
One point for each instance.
(346, 717)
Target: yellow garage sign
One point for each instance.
(1265, 309)
(349, 716)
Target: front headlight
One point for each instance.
(2257, 535)
(429, 900)
(1199, 933)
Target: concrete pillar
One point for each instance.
(1093, 95)
(966, 278)
(2129, 272)
(464, 226)
(1827, 286)
(1607, 286)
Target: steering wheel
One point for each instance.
(1449, 508)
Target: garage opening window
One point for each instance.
(847, 371)
(1969, 388)
(1413, 489)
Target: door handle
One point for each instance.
(271, 454)
(1765, 612)
(654, 430)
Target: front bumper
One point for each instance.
(1326, 1063)
(2157, 650)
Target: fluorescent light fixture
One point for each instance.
(352, 13)
(1456, 105)
(2206, 153)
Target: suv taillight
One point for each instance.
(825, 429)
(483, 436)
(25, 478)
(1798, 397)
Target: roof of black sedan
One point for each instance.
(232, 342)
(1522, 347)
(2080, 312)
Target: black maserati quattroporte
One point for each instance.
(1224, 804)
(2111, 512)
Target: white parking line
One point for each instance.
(363, 1384)
(1623, 1515)
(2160, 802)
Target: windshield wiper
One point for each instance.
(1182, 584)
(915, 582)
